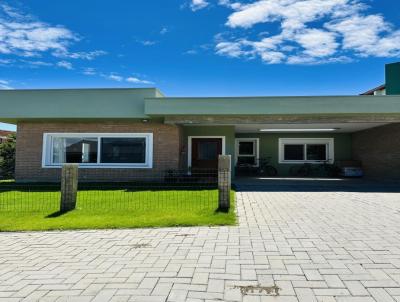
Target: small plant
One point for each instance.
(269, 290)
(7, 157)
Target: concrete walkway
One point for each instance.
(314, 245)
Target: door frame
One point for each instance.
(205, 136)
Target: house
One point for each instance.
(4, 135)
(120, 134)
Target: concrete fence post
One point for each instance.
(69, 187)
(224, 182)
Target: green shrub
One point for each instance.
(7, 157)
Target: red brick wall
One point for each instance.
(166, 149)
(379, 150)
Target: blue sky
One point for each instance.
(200, 47)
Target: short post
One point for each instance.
(69, 187)
(224, 183)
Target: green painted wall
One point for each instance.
(118, 103)
(269, 146)
(227, 131)
(317, 105)
(268, 142)
(393, 79)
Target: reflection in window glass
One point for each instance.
(123, 150)
(246, 148)
(74, 150)
(316, 152)
(293, 152)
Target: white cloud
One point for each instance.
(36, 64)
(5, 85)
(89, 71)
(164, 30)
(317, 43)
(138, 81)
(65, 64)
(26, 36)
(366, 35)
(198, 4)
(90, 55)
(147, 42)
(308, 32)
(5, 61)
(115, 77)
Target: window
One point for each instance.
(298, 150)
(98, 150)
(123, 150)
(247, 151)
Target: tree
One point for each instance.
(7, 157)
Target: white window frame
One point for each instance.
(47, 152)
(329, 142)
(189, 160)
(256, 150)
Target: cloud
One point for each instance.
(6, 61)
(138, 81)
(306, 32)
(115, 77)
(164, 30)
(25, 36)
(4, 85)
(147, 42)
(36, 63)
(65, 64)
(131, 79)
(90, 55)
(198, 4)
(89, 71)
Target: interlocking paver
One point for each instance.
(332, 246)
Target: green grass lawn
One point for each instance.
(37, 209)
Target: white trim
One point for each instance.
(190, 146)
(47, 150)
(248, 139)
(304, 141)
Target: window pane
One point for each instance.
(316, 152)
(74, 150)
(207, 150)
(294, 152)
(246, 148)
(246, 160)
(123, 150)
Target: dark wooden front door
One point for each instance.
(205, 153)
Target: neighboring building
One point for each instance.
(4, 135)
(120, 134)
(380, 90)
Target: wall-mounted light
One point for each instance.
(300, 130)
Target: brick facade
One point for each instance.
(379, 150)
(166, 149)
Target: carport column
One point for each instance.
(69, 187)
(224, 182)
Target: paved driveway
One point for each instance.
(316, 245)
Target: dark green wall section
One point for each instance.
(269, 146)
(393, 79)
(269, 143)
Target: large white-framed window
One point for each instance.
(306, 150)
(247, 151)
(98, 150)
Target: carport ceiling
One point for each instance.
(320, 128)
